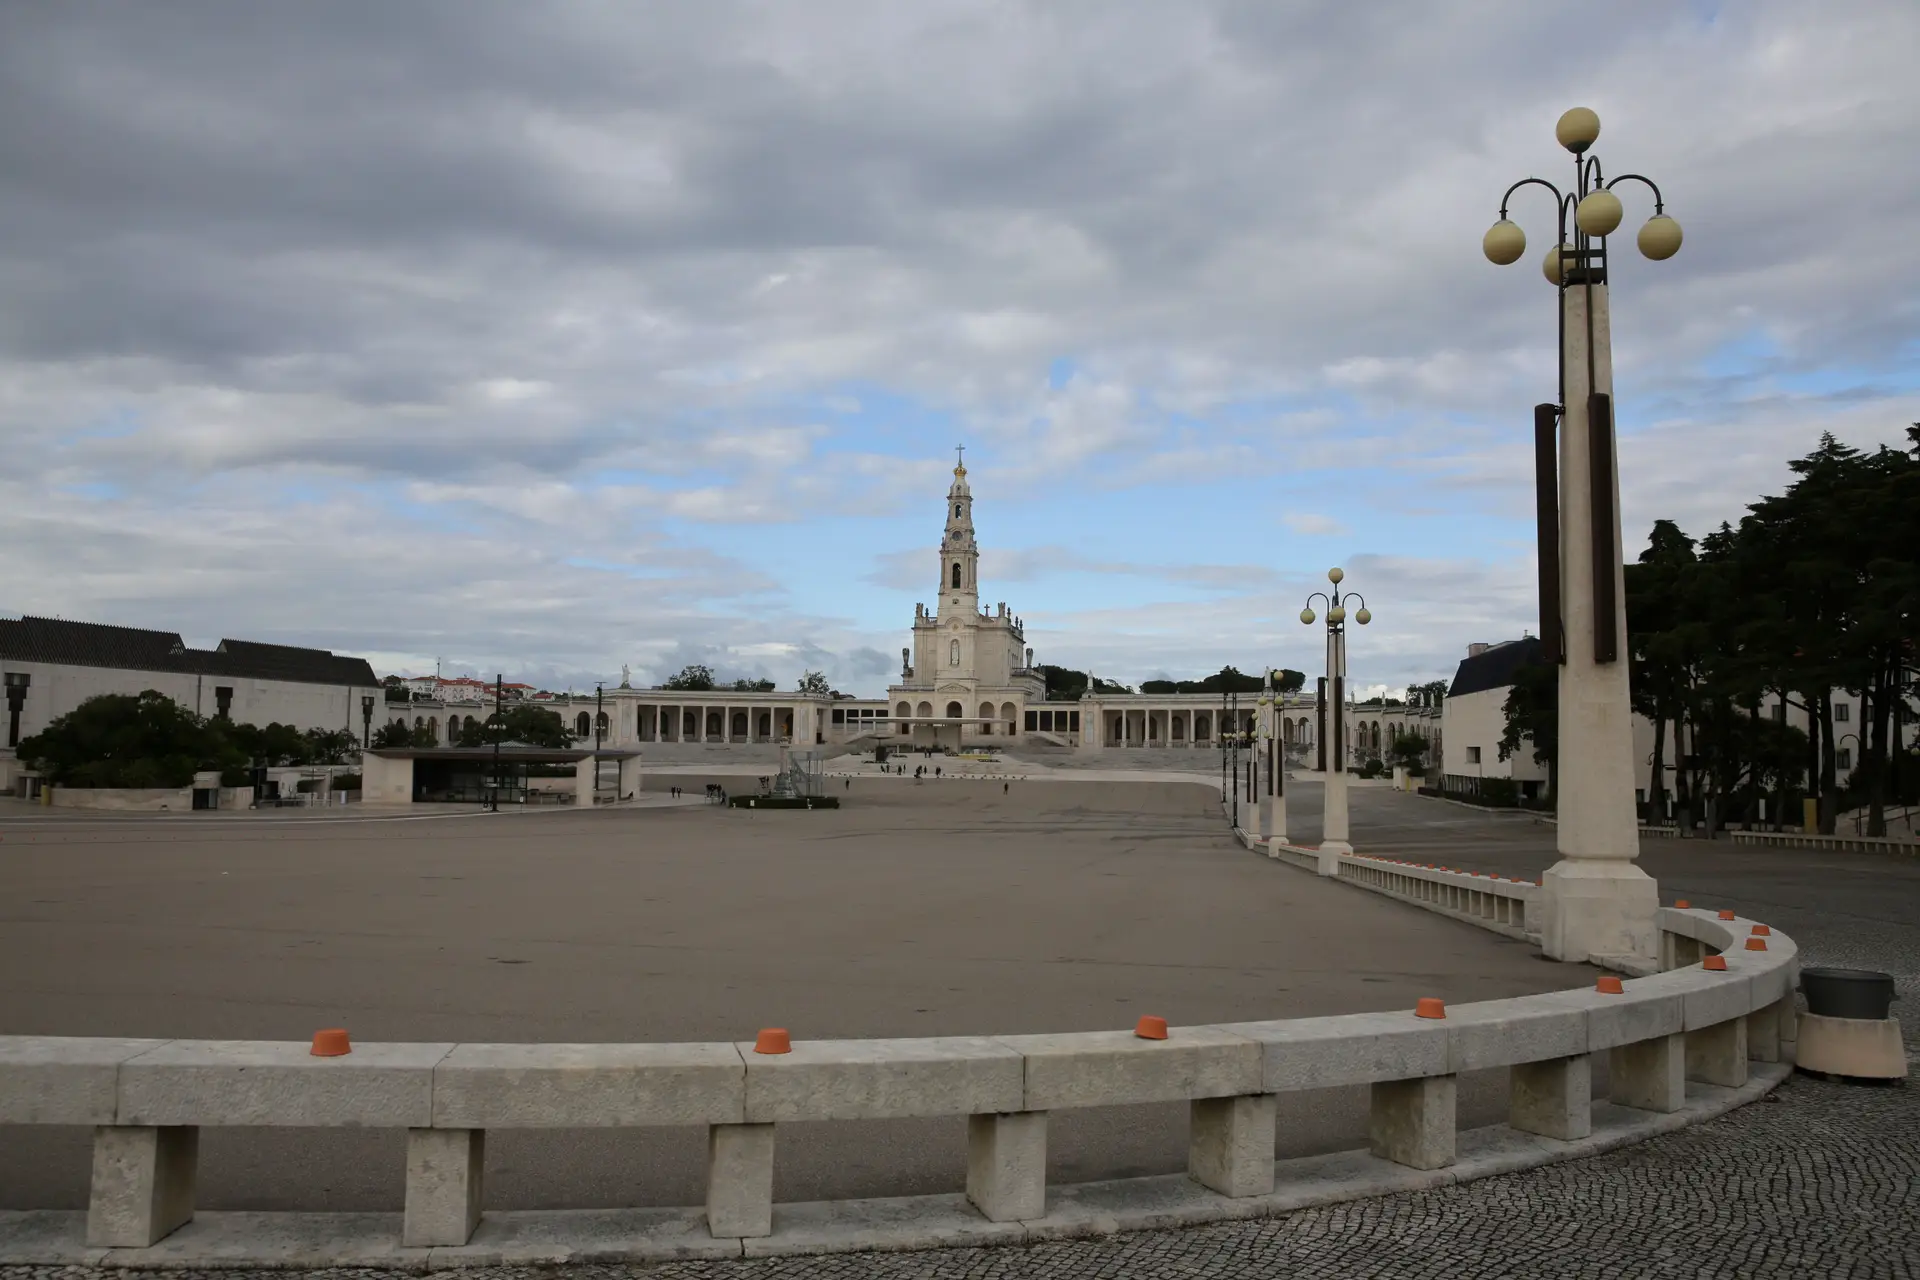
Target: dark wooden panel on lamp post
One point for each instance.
(1606, 634)
(1546, 505)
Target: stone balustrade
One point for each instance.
(148, 1099)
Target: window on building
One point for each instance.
(1780, 711)
(956, 575)
(1473, 755)
(1842, 713)
(839, 716)
(1843, 758)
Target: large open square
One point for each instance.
(918, 909)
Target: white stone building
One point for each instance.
(50, 666)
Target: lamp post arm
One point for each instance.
(1557, 197)
(1659, 205)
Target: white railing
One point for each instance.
(149, 1098)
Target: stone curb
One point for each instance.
(289, 1241)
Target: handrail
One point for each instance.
(149, 1098)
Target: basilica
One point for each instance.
(968, 672)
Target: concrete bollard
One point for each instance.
(1411, 1122)
(739, 1180)
(1650, 1075)
(143, 1182)
(1230, 1144)
(1718, 1054)
(446, 1172)
(1007, 1165)
(1553, 1098)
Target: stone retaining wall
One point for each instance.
(149, 1098)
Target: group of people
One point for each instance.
(716, 794)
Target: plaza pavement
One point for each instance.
(917, 909)
(1817, 1181)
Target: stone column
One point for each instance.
(1552, 1098)
(445, 1172)
(1230, 1144)
(143, 1183)
(1650, 1075)
(739, 1180)
(1333, 827)
(1596, 901)
(1007, 1164)
(1412, 1121)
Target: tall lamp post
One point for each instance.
(1333, 825)
(1273, 784)
(1597, 902)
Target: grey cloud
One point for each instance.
(276, 245)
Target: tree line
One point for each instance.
(1814, 593)
(149, 740)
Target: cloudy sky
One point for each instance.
(548, 338)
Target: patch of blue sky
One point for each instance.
(1753, 352)
(113, 426)
(97, 490)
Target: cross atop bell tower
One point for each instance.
(959, 554)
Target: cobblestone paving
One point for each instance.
(1818, 1181)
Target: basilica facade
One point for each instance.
(968, 673)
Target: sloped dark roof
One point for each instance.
(258, 661)
(1494, 669)
(90, 644)
(96, 644)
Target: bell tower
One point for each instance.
(959, 555)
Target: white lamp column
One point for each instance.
(1595, 901)
(1333, 824)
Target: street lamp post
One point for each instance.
(1333, 825)
(1596, 901)
(1273, 786)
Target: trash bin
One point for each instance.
(1860, 994)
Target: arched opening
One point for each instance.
(600, 720)
(689, 724)
(1011, 714)
(739, 724)
(1176, 731)
(926, 711)
(433, 727)
(766, 725)
(986, 713)
(419, 722)
(954, 712)
(582, 725)
(1202, 728)
(716, 726)
(902, 713)
(956, 575)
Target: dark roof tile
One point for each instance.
(1494, 669)
(95, 644)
